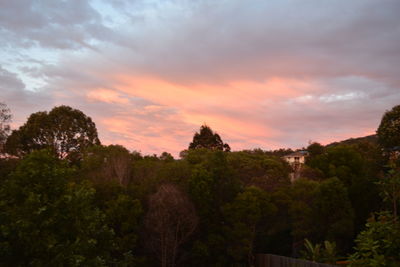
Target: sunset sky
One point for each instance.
(263, 74)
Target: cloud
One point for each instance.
(264, 74)
(62, 25)
(21, 101)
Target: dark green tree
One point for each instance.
(64, 130)
(301, 211)
(247, 216)
(46, 219)
(379, 243)
(210, 186)
(206, 138)
(315, 149)
(123, 216)
(259, 169)
(107, 163)
(352, 169)
(334, 214)
(389, 129)
(390, 189)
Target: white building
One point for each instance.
(298, 157)
(296, 160)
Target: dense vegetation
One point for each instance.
(66, 200)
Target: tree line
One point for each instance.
(67, 200)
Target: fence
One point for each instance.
(269, 260)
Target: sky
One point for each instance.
(263, 74)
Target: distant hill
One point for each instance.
(369, 138)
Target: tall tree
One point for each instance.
(206, 138)
(333, 212)
(245, 217)
(108, 163)
(390, 185)
(389, 128)
(48, 220)
(170, 221)
(66, 131)
(5, 119)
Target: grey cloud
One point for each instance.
(260, 39)
(342, 47)
(47, 23)
(21, 101)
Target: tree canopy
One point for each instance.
(206, 138)
(389, 128)
(208, 208)
(64, 130)
(48, 220)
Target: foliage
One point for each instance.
(208, 208)
(389, 129)
(303, 194)
(108, 163)
(390, 185)
(47, 220)
(170, 221)
(318, 253)
(123, 214)
(379, 243)
(357, 172)
(246, 216)
(206, 138)
(328, 204)
(315, 149)
(312, 252)
(64, 130)
(259, 169)
(334, 213)
(211, 186)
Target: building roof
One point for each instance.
(301, 153)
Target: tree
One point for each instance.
(315, 149)
(318, 253)
(123, 215)
(334, 213)
(108, 163)
(350, 167)
(245, 217)
(5, 119)
(389, 129)
(301, 211)
(165, 156)
(206, 138)
(390, 192)
(170, 221)
(259, 169)
(64, 130)
(46, 219)
(379, 243)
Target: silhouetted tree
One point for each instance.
(315, 149)
(206, 138)
(389, 128)
(64, 130)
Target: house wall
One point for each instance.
(292, 160)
